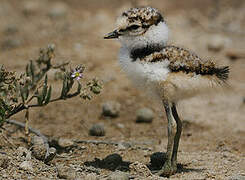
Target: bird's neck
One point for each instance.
(141, 52)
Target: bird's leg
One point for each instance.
(167, 169)
(177, 136)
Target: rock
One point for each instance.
(112, 161)
(11, 29)
(111, 109)
(234, 54)
(30, 7)
(140, 169)
(118, 176)
(65, 172)
(97, 130)
(4, 161)
(23, 153)
(144, 115)
(38, 148)
(59, 10)
(65, 143)
(158, 159)
(91, 176)
(52, 154)
(11, 44)
(26, 165)
(216, 43)
(236, 177)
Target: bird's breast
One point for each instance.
(145, 75)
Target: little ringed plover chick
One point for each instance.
(169, 73)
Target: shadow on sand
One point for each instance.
(115, 162)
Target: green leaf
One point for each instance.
(64, 88)
(45, 89)
(48, 95)
(32, 69)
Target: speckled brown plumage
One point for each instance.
(183, 60)
(146, 16)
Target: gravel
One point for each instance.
(144, 115)
(66, 143)
(38, 148)
(26, 165)
(65, 172)
(111, 109)
(118, 176)
(97, 130)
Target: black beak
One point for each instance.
(112, 35)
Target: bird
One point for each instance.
(167, 72)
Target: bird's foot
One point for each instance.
(167, 170)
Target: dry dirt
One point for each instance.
(213, 142)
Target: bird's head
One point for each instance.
(139, 27)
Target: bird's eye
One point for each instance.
(122, 30)
(133, 27)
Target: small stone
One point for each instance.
(140, 169)
(119, 176)
(59, 10)
(30, 7)
(97, 130)
(11, 44)
(4, 161)
(23, 153)
(111, 109)
(11, 29)
(216, 43)
(234, 54)
(144, 115)
(65, 172)
(158, 159)
(65, 143)
(112, 161)
(26, 165)
(236, 177)
(38, 148)
(52, 154)
(91, 176)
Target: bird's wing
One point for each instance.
(183, 60)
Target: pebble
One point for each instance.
(144, 115)
(23, 153)
(234, 54)
(158, 159)
(30, 7)
(236, 177)
(118, 176)
(216, 43)
(11, 44)
(65, 172)
(59, 10)
(140, 169)
(97, 130)
(111, 109)
(11, 29)
(112, 161)
(4, 161)
(26, 165)
(65, 143)
(91, 176)
(52, 154)
(38, 148)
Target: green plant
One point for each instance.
(32, 89)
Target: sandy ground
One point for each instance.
(213, 142)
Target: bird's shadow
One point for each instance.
(115, 162)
